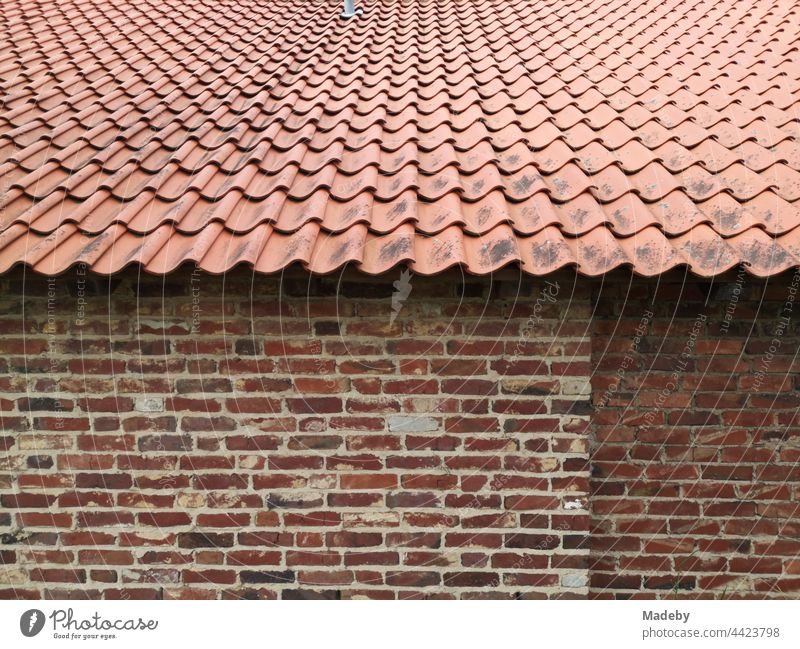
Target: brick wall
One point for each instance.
(203, 437)
(696, 438)
(198, 436)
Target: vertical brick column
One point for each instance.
(695, 453)
(294, 437)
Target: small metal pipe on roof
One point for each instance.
(350, 9)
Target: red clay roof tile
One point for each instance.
(431, 133)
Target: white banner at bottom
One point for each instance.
(352, 625)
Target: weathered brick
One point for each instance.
(297, 447)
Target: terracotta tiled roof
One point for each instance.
(648, 134)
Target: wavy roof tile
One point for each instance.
(649, 134)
